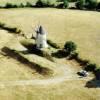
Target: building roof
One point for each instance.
(40, 30)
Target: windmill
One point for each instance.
(41, 41)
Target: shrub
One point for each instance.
(63, 4)
(70, 47)
(97, 73)
(91, 4)
(98, 6)
(84, 62)
(2, 25)
(9, 5)
(91, 67)
(54, 45)
(74, 55)
(21, 5)
(80, 4)
(49, 4)
(60, 54)
(28, 4)
(39, 3)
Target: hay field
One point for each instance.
(82, 27)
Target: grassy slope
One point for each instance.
(82, 27)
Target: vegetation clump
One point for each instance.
(9, 5)
(33, 49)
(63, 4)
(80, 4)
(91, 4)
(97, 73)
(70, 47)
(91, 67)
(98, 6)
(52, 44)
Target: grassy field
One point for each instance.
(66, 91)
(82, 27)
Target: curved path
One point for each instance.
(67, 75)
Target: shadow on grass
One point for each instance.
(31, 48)
(17, 56)
(10, 29)
(93, 83)
(60, 54)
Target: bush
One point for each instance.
(54, 45)
(60, 54)
(63, 4)
(39, 3)
(91, 67)
(28, 4)
(97, 73)
(91, 4)
(9, 5)
(2, 25)
(98, 6)
(84, 62)
(80, 4)
(21, 5)
(74, 55)
(70, 47)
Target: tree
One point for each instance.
(39, 3)
(70, 47)
(80, 4)
(63, 4)
(91, 4)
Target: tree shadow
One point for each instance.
(17, 56)
(93, 83)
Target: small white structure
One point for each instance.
(41, 41)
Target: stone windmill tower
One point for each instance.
(41, 41)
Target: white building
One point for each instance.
(41, 41)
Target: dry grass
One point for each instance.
(65, 91)
(82, 27)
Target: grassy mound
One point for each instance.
(21, 58)
(31, 47)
